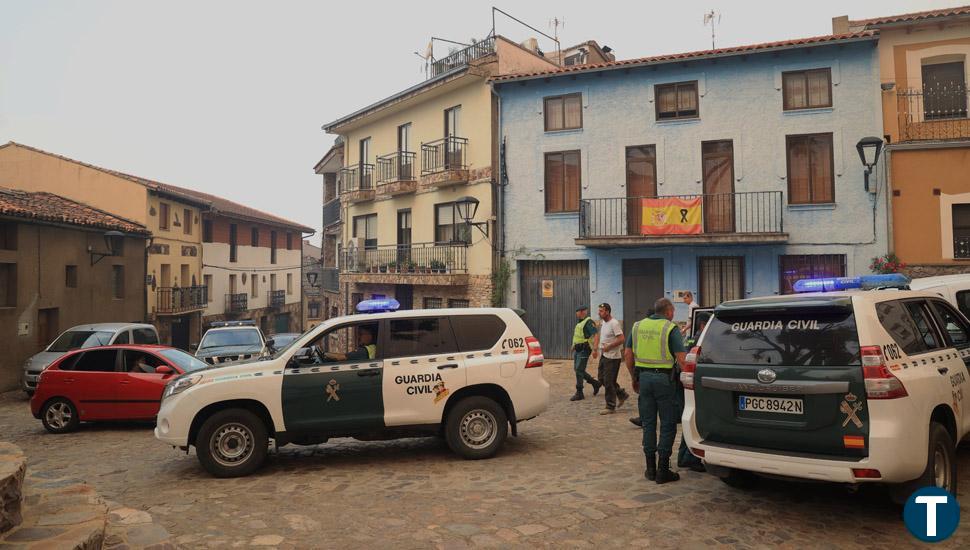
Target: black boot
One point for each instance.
(635, 420)
(578, 396)
(651, 472)
(596, 386)
(664, 475)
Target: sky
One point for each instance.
(228, 97)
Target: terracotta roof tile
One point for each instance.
(225, 206)
(49, 207)
(910, 17)
(671, 58)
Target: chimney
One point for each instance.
(840, 24)
(531, 44)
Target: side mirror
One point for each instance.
(301, 357)
(270, 344)
(164, 369)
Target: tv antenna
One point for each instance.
(713, 19)
(555, 23)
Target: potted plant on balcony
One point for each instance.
(890, 263)
(437, 266)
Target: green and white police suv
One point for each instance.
(842, 386)
(469, 375)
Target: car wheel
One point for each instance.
(59, 416)
(741, 479)
(476, 428)
(232, 443)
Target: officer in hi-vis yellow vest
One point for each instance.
(652, 348)
(582, 335)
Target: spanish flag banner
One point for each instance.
(671, 216)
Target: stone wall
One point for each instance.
(13, 466)
(932, 270)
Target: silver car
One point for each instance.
(86, 336)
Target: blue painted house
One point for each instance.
(730, 173)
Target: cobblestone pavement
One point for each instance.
(571, 478)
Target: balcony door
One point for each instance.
(404, 168)
(452, 129)
(365, 174)
(641, 181)
(944, 91)
(403, 236)
(718, 166)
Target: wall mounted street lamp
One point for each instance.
(869, 149)
(113, 241)
(311, 277)
(467, 208)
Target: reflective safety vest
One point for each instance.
(371, 351)
(651, 339)
(579, 336)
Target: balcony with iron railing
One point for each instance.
(237, 303)
(726, 218)
(178, 300)
(444, 162)
(936, 113)
(396, 174)
(277, 298)
(356, 183)
(462, 57)
(331, 213)
(417, 263)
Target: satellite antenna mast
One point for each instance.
(554, 24)
(713, 19)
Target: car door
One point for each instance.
(422, 367)
(140, 389)
(954, 371)
(326, 396)
(93, 384)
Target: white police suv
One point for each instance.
(842, 386)
(467, 374)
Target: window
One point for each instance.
(289, 240)
(187, 221)
(575, 59)
(721, 279)
(432, 303)
(961, 230)
(925, 331)
(404, 231)
(944, 91)
(896, 320)
(404, 137)
(144, 336)
(811, 169)
(207, 231)
(963, 301)
(364, 151)
(254, 285)
(254, 237)
(810, 89)
(675, 101)
(233, 242)
(313, 310)
(289, 283)
(272, 282)
(448, 225)
(272, 247)
(70, 276)
(207, 281)
(564, 112)
(118, 280)
(809, 266)
(457, 302)
(163, 217)
(453, 121)
(562, 175)
(141, 362)
(232, 284)
(122, 338)
(8, 236)
(166, 276)
(956, 329)
(477, 332)
(96, 361)
(366, 227)
(422, 336)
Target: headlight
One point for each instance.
(181, 384)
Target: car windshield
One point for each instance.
(183, 360)
(231, 338)
(279, 349)
(283, 340)
(76, 339)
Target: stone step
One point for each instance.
(13, 466)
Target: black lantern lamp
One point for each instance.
(467, 207)
(311, 278)
(113, 242)
(869, 149)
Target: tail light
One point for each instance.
(690, 367)
(865, 473)
(880, 381)
(535, 352)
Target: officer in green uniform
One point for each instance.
(582, 335)
(365, 349)
(652, 348)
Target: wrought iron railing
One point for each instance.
(724, 213)
(359, 177)
(461, 57)
(331, 213)
(237, 303)
(395, 167)
(443, 154)
(961, 247)
(331, 279)
(277, 298)
(933, 113)
(181, 299)
(417, 258)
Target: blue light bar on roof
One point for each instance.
(864, 282)
(378, 306)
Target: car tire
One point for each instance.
(232, 443)
(941, 466)
(476, 428)
(741, 479)
(59, 416)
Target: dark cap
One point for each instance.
(583, 307)
(606, 306)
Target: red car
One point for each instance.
(107, 383)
